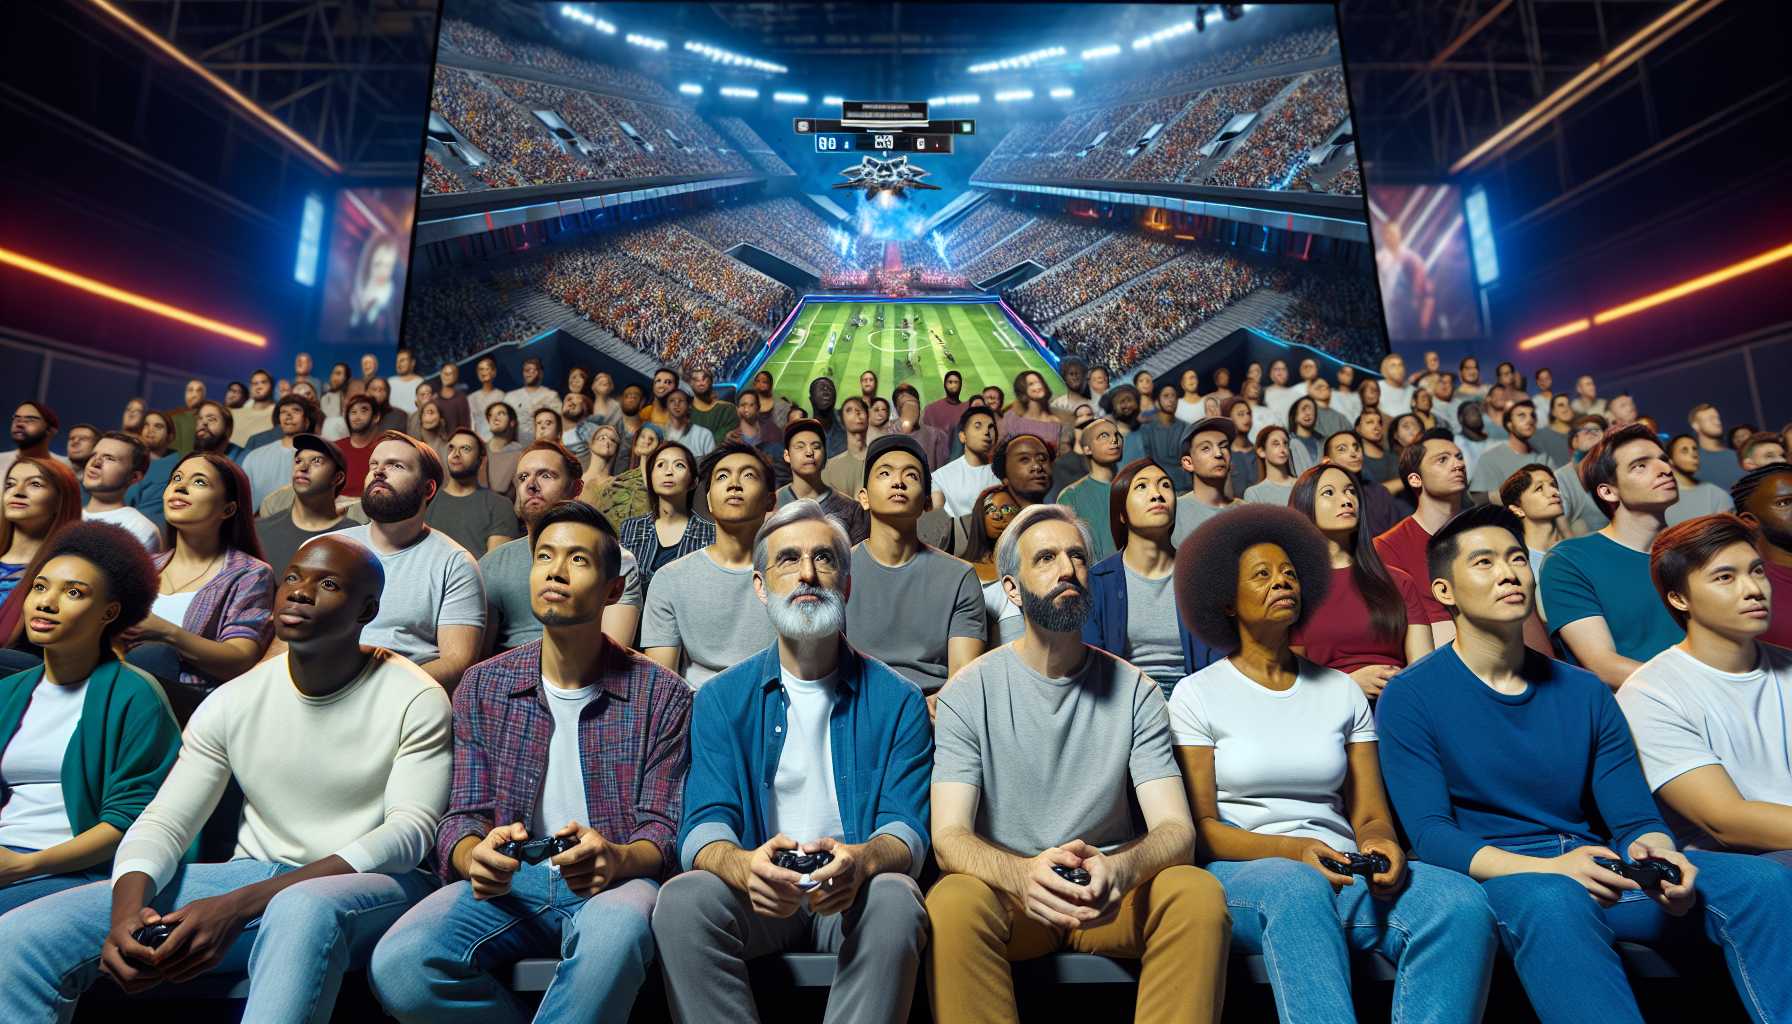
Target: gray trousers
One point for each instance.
(707, 932)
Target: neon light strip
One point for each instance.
(1574, 327)
(106, 291)
(249, 106)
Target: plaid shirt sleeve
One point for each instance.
(470, 796)
(249, 606)
(659, 800)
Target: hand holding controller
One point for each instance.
(1075, 876)
(534, 851)
(1648, 873)
(1365, 864)
(803, 864)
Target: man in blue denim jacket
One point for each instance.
(807, 748)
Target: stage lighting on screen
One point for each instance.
(833, 101)
(690, 88)
(740, 92)
(1010, 95)
(1480, 238)
(311, 236)
(1062, 92)
(1098, 52)
(790, 97)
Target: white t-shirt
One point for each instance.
(404, 392)
(173, 607)
(1278, 397)
(431, 584)
(1279, 759)
(961, 482)
(805, 804)
(35, 818)
(563, 788)
(1685, 714)
(1395, 400)
(1190, 412)
(132, 522)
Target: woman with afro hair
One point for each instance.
(1279, 757)
(88, 739)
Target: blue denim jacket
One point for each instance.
(882, 749)
(1106, 625)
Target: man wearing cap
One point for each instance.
(913, 607)
(1207, 461)
(268, 466)
(317, 474)
(806, 454)
(702, 615)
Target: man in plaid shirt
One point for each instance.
(569, 736)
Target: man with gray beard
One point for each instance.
(807, 748)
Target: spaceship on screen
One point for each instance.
(893, 176)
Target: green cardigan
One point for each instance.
(123, 747)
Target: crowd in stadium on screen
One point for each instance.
(1046, 241)
(1159, 309)
(1302, 121)
(1088, 275)
(465, 311)
(683, 257)
(476, 41)
(521, 150)
(1175, 153)
(782, 226)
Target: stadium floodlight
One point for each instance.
(1025, 60)
(833, 101)
(732, 59)
(1008, 95)
(586, 18)
(1098, 52)
(1163, 34)
(690, 88)
(740, 92)
(960, 99)
(790, 97)
(1062, 92)
(645, 42)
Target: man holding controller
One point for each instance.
(842, 744)
(1519, 771)
(570, 708)
(1029, 786)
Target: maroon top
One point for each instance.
(1337, 634)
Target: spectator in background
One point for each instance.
(990, 515)
(908, 421)
(212, 426)
(1161, 438)
(1533, 496)
(1326, 420)
(301, 373)
(41, 496)
(619, 496)
(370, 368)
(707, 410)
(431, 427)
(385, 417)
(1621, 411)
(547, 426)
(1697, 497)
(1206, 457)
(432, 609)
(1188, 401)
(318, 473)
(425, 394)
(959, 481)
(777, 407)
(256, 414)
(132, 420)
(452, 398)
(805, 453)
(211, 620)
(533, 394)
(548, 477)
(1099, 441)
(1555, 438)
(1437, 478)
(1306, 443)
(1032, 412)
(604, 408)
(1243, 455)
(146, 495)
(755, 427)
(1471, 434)
(235, 394)
(845, 470)
(1761, 449)
(482, 398)
(1586, 400)
(1764, 502)
(1602, 608)
(1581, 513)
(665, 381)
(682, 430)
(1377, 511)
(1275, 473)
(269, 467)
(632, 406)
(502, 448)
(357, 447)
(118, 463)
(34, 425)
(81, 437)
(672, 528)
(575, 409)
(1718, 462)
(335, 394)
(1543, 387)
(1396, 392)
(182, 418)
(1075, 374)
(1499, 461)
(472, 515)
(1371, 620)
(88, 740)
(404, 382)
(700, 618)
(1381, 463)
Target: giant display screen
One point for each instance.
(1422, 258)
(370, 242)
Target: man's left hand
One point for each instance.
(586, 868)
(204, 931)
(838, 882)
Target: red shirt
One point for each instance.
(1338, 634)
(355, 477)
(1403, 548)
(1780, 631)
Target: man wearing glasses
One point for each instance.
(1580, 513)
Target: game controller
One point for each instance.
(1075, 876)
(1364, 864)
(152, 935)
(534, 851)
(1648, 873)
(802, 863)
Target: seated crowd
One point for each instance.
(673, 681)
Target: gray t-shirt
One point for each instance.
(1190, 514)
(1153, 643)
(1263, 492)
(1554, 447)
(904, 616)
(1497, 462)
(709, 612)
(506, 572)
(470, 520)
(431, 584)
(1701, 499)
(1055, 759)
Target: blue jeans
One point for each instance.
(1561, 939)
(37, 887)
(438, 962)
(1438, 930)
(295, 954)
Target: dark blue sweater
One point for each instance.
(1469, 767)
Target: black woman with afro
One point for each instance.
(1279, 757)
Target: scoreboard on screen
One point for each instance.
(883, 126)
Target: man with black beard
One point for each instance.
(733, 902)
(33, 425)
(1044, 748)
(1122, 403)
(1076, 387)
(821, 405)
(212, 424)
(943, 414)
(432, 610)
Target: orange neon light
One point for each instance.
(1553, 333)
(248, 106)
(1699, 283)
(1653, 299)
(106, 291)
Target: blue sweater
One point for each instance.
(1469, 767)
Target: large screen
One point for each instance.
(1421, 255)
(370, 242)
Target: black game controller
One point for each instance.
(1364, 864)
(802, 863)
(1648, 873)
(534, 851)
(1075, 876)
(152, 935)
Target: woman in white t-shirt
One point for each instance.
(87, 739)
(1280, 759)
